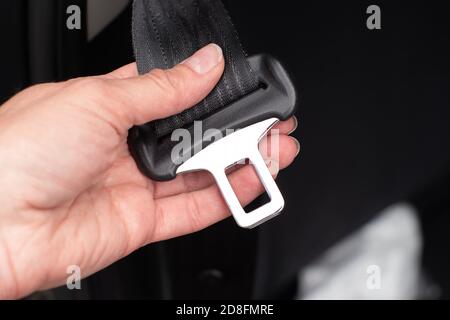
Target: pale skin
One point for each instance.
(71, 194)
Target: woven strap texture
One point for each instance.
(166, 32)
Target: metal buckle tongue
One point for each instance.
(224, 153)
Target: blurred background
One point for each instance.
(368, 201)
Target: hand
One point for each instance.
(71, 194)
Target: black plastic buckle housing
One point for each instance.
(276, 98)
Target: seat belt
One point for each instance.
(253, 94)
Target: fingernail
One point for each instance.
(295, 125)
(205, 59)
(297, 143)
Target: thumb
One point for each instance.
(162, 93)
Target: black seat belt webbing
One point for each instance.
(166, 32)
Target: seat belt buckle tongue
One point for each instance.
(250, 118)
(226, 152)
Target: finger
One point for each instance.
(125, 72)
(183, 183)
(190, 212)
(199, 180)
(160, 94)
(286, 127)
